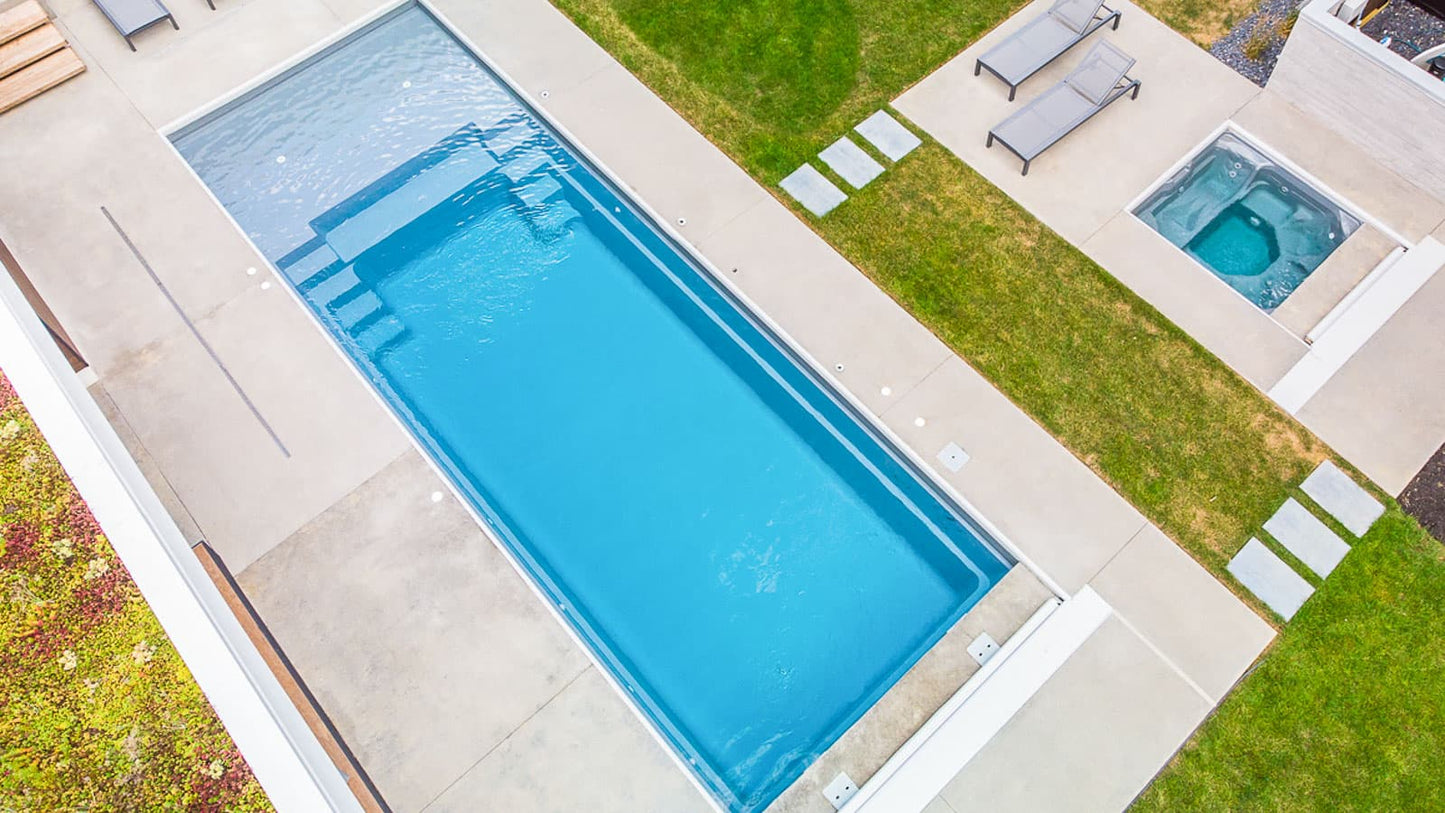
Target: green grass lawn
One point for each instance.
(771, 81)
(1347, 710)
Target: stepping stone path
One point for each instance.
(1306, 537)
(851, 163)
(891, 138)
(812, 189)
(1343, 498)
(1268, 577)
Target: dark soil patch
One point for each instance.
(1424, 498)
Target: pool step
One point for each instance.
(358, 310)
(381, 334)
(551, 221)
(545, 208)
(302, 269)
(535, 193)
(335, 286)
(415, 197)
(526, 164)
(507, 141)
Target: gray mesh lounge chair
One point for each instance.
(1095, 84)
(1044, 39)
(133, 16)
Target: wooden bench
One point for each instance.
(22, 18)
(34, 56)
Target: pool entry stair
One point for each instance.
(1307, 538)
(34, 55)
(459, 169)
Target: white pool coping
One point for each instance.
(283, 753)
(958, 731)
(1356, 319)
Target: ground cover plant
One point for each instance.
(1347, 709)
(97, 710)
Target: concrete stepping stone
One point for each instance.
(812, 188)
(891, 138)
(1343, 498)
(851, 163)
(1268, 577)
(1306, 537)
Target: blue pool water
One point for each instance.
(754, 565)
(1250, 221)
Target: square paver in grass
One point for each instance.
(1270, 578)
(1307, 537)
(1343, 498)
(891, 138)
(812, 188)
(851, 163)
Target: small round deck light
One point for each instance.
(919, 422)
(266, 286)
(251, 272)
(436, 496)
(682, 221)
(886, 391)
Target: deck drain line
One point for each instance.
(210, 351)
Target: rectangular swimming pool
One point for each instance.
(751, 560)
(1250, 221)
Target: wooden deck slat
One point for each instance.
(31, 81)
(32, 46)
(20, 19)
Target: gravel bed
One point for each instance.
(1229, 48)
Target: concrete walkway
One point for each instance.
(1385, 410)
(455, 685)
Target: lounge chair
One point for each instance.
(1044, 39)
(133, 16)
(1100, 79)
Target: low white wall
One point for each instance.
(285, 756)
(1359, 88)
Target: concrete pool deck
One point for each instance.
(440, 667)
(1385, 410)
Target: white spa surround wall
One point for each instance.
(1359, 88)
